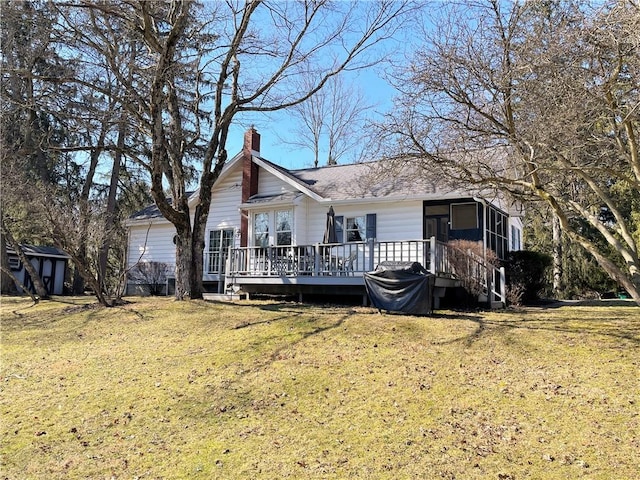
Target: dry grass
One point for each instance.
(265, 390)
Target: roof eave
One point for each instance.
(145, 221)
(395, 199)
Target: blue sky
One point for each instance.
(374, 87)
(370, 81)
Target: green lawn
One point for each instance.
(267, 390)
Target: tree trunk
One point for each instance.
(17, 282)
(202, 213)
(78, 280)
(41, 290)
(197, 248)
(109, 220)
(92, 281)
(199, 228)
(184, 263)
(8, 281)
(631, 283)
(115, 177)
(557, 256)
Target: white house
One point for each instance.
(267, 225)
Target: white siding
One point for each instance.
(303, 218)
(398, 220)
(269, 184)
(153, 244)
(224, 213)
(395, 221)
(225, 200)
(59, 280)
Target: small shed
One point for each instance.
(401, 287)
(50, 263)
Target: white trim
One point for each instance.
(287, 179)
(474, 204)
(253, 206)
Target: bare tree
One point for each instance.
(329, 122)
(540, 100)
(205, 65)
(63, 127)
(152, 275)
(8, 284)
(557, 254)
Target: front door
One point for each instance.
(436, 222)
(437, 227)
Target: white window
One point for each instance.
(356, 229)
(261, 229)
(219, 243)
(516, 239)
(284, 227)
(464, 216)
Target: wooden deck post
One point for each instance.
(222, 273)
(490, 274)
(370, 246)
(316, 260)
(433, 260)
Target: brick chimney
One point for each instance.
(251, 147)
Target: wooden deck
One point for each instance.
(338, 269)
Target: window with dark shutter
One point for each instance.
(371, 226)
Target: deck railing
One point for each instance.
(325, 259)
(356, 258)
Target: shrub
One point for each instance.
(151, 274)
(466, 259)
(526, 273)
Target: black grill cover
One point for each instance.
(400, 287)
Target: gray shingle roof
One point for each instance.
(150, 211)
(375, 180)
(366, 180)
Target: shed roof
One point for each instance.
(39, 251)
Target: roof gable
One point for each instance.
(377, 180)
(289, 178)
(151, 212)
